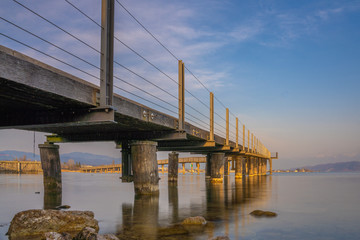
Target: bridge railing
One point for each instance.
(143, 69)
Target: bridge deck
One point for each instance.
(35, 96)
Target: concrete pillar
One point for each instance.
(145, 167)
(173, 201)
(173, 167)
(208, 166)
(251, 166)
(198, 168)
(50, 163)
(183, 168)
(233, 163)
(217, 165)
(226, 166)
(238, 167)
(270, 163)
(126, 175)
(243, 170)
(256, 166)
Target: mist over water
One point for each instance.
(309, 205)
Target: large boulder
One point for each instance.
(35, 223)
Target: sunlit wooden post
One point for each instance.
(248, 140)
(181, 96)
(107, 53)
(227, 127)
(237, 133)
(211, 138)
(243, 147)
(252, 142)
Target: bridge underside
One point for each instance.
(38, 97)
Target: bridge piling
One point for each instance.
(208, 166)
(126, 162)
(145, 167)
(217, 164)
(238, 167)
(50, 163)
(226, 166)
(173, 166)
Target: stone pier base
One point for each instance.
(50, 163)
(238, 167)
(173, 167)
(145, 167)
(217, 165)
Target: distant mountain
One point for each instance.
(11, 154)
(353, 166)
(83, 158)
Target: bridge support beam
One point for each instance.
(173, 167)
(126, 162)
(145, 167)
(50, 163)
(238, 167)
(270, 163)
(217, 164)
(198, 168)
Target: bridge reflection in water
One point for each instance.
(225, 206)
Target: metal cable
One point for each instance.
(49, 43)
(144, 79)
(51, 56)
(138, 54)
(145, 92)
(57, 26)
(145, 99)
(146, 30)
(83, 13)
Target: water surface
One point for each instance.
(309, 205)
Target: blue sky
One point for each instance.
(288, 69)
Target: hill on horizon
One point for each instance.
(352, 166)
(83, 158)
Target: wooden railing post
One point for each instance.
(227, 127)
(243, 148)
(211, 138)
(181, 97)
(107, 53)
(237, 133)
(248, 140)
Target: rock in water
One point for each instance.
(260, 213)
(57, 236)
(35, 223)
(89, 233)
(198, 220)
(221, 238)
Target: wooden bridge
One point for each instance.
(35, 96)
(20, 166)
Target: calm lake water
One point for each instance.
(309, 205)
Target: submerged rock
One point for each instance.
(260, 213)
(198, 220)
(63, 207)
(89, 233)
(35, 223)
(57, 236)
